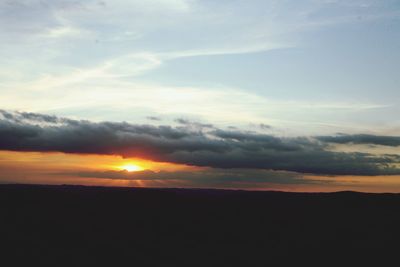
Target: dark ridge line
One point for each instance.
(189, 189)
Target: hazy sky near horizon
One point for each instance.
(279, 69)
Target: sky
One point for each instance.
(260, 95)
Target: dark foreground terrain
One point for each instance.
(93, 226)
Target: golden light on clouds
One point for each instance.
(59, 161)
(53, 168)
(59, 168)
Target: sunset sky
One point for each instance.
(262, 95)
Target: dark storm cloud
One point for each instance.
(362, 139)
(198, 147)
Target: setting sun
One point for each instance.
(131, 168)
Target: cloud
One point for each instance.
(30, 117)
(216, 148)
(265, 126)
(362, 139)
(213, 176)
(194, 28)
(120, 40)
(193, 124)
(153, 118)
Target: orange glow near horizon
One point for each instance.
(57, 162)
(59, 168)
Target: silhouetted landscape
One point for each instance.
(89, 226)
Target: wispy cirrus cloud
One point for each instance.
(79, 58)
(110, 30)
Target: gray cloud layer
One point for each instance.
(362, 139)
(211, 147)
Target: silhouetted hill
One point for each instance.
(92, 226)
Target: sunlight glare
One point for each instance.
(131, 168)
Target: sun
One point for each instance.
(131, 167)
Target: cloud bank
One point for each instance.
(185, 144)
(362, 139)
(201, 178)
